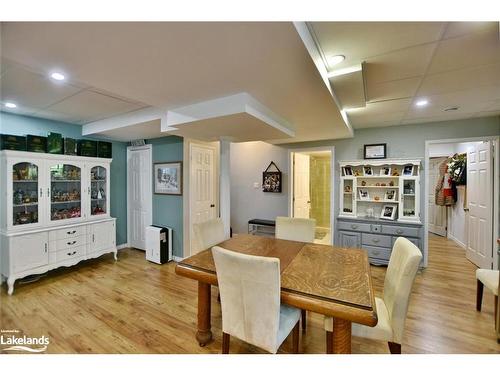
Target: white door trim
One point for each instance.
(496, 178)
(333, 182)
(186, 230)
(150, 173)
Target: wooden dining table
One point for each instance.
(328, 280)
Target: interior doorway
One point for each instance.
(312, 190)
(462, 196)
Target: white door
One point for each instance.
(100, 238)
(202, 182)
(31, 251)
(301, 197)
(437, 214)
(139, 194)
(480, 202)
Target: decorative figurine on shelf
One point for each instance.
(391, 183)
(357, 173)
(376, 198)
(377, 184)
(18, 197)
(347, 189)
(383, 184)
(347, 209)
(99, 194)
(363, 183)
(395, 172)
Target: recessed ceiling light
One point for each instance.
(422, 103)
(337, 59)
(10, 105)
(58, 76)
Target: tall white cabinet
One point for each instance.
(54, 211)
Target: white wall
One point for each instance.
(248, 161)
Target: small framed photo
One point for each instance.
(375, 151)
(347, 171)
(168, 178)
(364, 195)
(367, 170)
(408, 170)
(390, 195)
(388, 212)
(385, 171)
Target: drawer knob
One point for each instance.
(354, 226)
(71, 243)
(400, 231)
(376, 252)
(72, 232)
(375, 240)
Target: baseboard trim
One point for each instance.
(177, 259)
(122, 246)
(454, 239)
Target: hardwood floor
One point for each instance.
(133, 306)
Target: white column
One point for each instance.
(225, 184)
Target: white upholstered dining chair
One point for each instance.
(393, 307)
(490, 279)
(296, 229)
(208, 234)
(250, 299)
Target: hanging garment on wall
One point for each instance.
(446, 192)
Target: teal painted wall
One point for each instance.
(21, 125)
(168, 209)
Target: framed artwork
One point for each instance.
(385, 171)
(375, 151)
(271, 180)
(390, 195)
(347, 171)
(168, 178)
(367, 170)
(408, 170)
(364, 195)
(388, 212)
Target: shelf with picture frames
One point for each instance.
(387, 189)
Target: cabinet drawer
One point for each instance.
(68, 243)
(414, 240)
(59, 256)
(358, 227)
(378, 252)
(60, 234)
(400, 231)
(375, 240)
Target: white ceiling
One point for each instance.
(118, 69)
(451, 64)
(38, 95)
(169, 65)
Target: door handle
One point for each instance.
(212, 205)
(41, 192)
(48, 192)
(45, 247)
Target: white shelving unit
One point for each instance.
(367, 186)
(54, 212)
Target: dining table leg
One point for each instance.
(341, 336)
(204, 334)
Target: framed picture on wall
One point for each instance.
(271, 180)
(168, 178)
(375, 151)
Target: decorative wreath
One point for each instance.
(457, 168)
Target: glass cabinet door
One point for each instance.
(348, 196)
(25, 193)
(408, 199)
(98, 191)
(65, 192)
